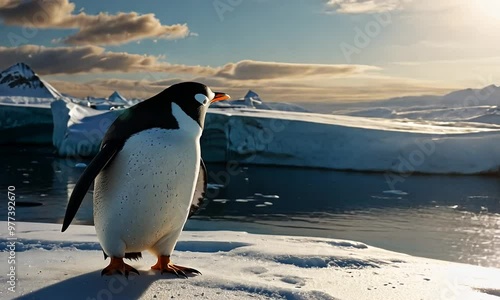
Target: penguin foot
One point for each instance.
(165, 266)
(118, 266)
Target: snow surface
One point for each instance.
(341, 142)
(235, 265)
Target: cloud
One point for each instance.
(493, 61)
(94, 59)
(90, 59)
(101, 29)
(364, 6)
(259, 70)
(285, 91)
(278, 81)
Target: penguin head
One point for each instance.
(194, 99)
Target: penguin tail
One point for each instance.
(131, 255)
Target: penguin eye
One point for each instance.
(201, 98)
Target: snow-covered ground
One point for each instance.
(235, 265)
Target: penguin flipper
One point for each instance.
(200, 190)
(105, 155)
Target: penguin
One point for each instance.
(148, 177)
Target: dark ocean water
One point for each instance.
(454, 218)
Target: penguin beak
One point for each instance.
(220, 97)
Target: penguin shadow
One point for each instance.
(492, 292)
(92, 285)
(208, 246)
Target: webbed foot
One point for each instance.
(118, 266)
(165, 266)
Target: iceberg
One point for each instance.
(340, 142)
(115, 101)
(354, 143)
(78, 130)
(117, 98)
(235, 265)
(25, 114)
(25, 124)
(253, 100)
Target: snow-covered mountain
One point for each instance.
(21, 80)
(469, 105)
(253, 100)
(489, 95)
(117, 98)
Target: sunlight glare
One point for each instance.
(488, 8)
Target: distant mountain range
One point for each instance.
(21, 80)
(487, 96)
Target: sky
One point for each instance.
(285, 50)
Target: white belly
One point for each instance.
(144, 195)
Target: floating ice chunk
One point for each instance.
(395, 192)
(214, 186)
(266, 196)
(244, 200)
(384, 198)
(220, 200)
